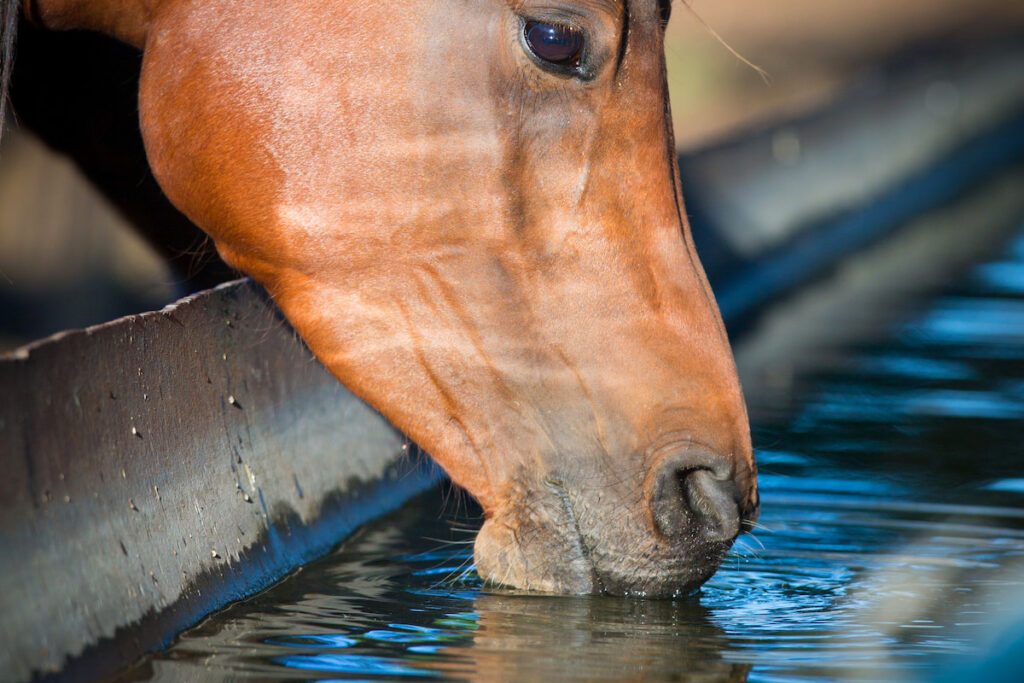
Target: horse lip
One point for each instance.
(663, 574)
(558, 487)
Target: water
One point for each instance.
(891, 547)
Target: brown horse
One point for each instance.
(470, 210)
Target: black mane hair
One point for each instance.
(8, 27)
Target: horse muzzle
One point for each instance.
(587, 534)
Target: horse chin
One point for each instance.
(666, 579)
(532, 561)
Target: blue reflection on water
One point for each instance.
(328, 640)
(915, 367)
(358, 664)
(885, 404)
(407, 633)
(972, 322)
(1004, 277)
(1012, 484)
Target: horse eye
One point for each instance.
(555, 43)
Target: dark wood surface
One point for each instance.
(159, 466)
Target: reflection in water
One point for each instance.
(891, 547)
(539, 638)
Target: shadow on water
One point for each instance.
(891, 547)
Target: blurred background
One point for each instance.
(810, 51)
(70, 258)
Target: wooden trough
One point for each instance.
(163, 465)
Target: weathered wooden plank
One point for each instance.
(162, 465)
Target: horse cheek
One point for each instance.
(202, 144)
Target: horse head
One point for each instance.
(470, 211)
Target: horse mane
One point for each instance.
(8, 27)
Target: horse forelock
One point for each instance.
(8, 27)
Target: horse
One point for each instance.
(470, 211)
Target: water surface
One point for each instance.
(891, 547)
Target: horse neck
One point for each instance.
(126, 20)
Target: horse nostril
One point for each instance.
(694, 501)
